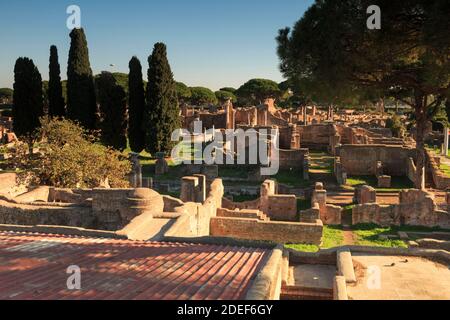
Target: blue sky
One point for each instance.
(210, 43)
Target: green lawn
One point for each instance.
(368, 235)
(292, 178)
(332, 237)
(445, 169)
(397, 183)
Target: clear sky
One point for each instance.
(212, 43)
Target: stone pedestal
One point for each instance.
(365, 194)
(384, 181)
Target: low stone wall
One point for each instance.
(416, 208)
(281, 232)
(440, 180)
(109, 209)
(22, 214)
(281, 207)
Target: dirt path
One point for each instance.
(349, 237)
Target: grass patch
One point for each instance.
(397, 183)
(445, 169)
(369, 235)
(303, 247)
(332, 237)
(292, 178)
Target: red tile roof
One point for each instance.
(33, 266)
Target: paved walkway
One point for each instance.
(417, 279)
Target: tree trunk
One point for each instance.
(421, 122)
(30, 147)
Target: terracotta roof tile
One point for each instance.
(33, 266)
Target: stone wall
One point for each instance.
(290, 159)
(362, 159)
(329, 214)
(253, 229)
(103, 209)
(316, 136)
(27, 214)
(194, 220)
(416, 208)
(440, 180)
(280, 207)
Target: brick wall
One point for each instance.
(416, 208)
(252, 229)
(362, 159)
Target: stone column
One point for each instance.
(136, 170)
(319, 196)
(189, 187)
(201, 188)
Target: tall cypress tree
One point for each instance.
(28, 102)
(113, 111)
(81, 103)
(162, 114)
(136, 106)
(56, 102)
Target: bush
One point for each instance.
(69, 157)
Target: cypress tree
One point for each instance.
(81, 103)
(55, 98)
(136, 106)
(162, 114)
(28, 104)
(113, 111)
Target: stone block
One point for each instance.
(384, 181)
(345, 266)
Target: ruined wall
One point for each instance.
(416, 208)
(195, 217)
(440, 180)
(109, 209)
(362, 159)
(316, 136)
(280, 207)
(292, 158)
(281, 232)
(27, 214)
